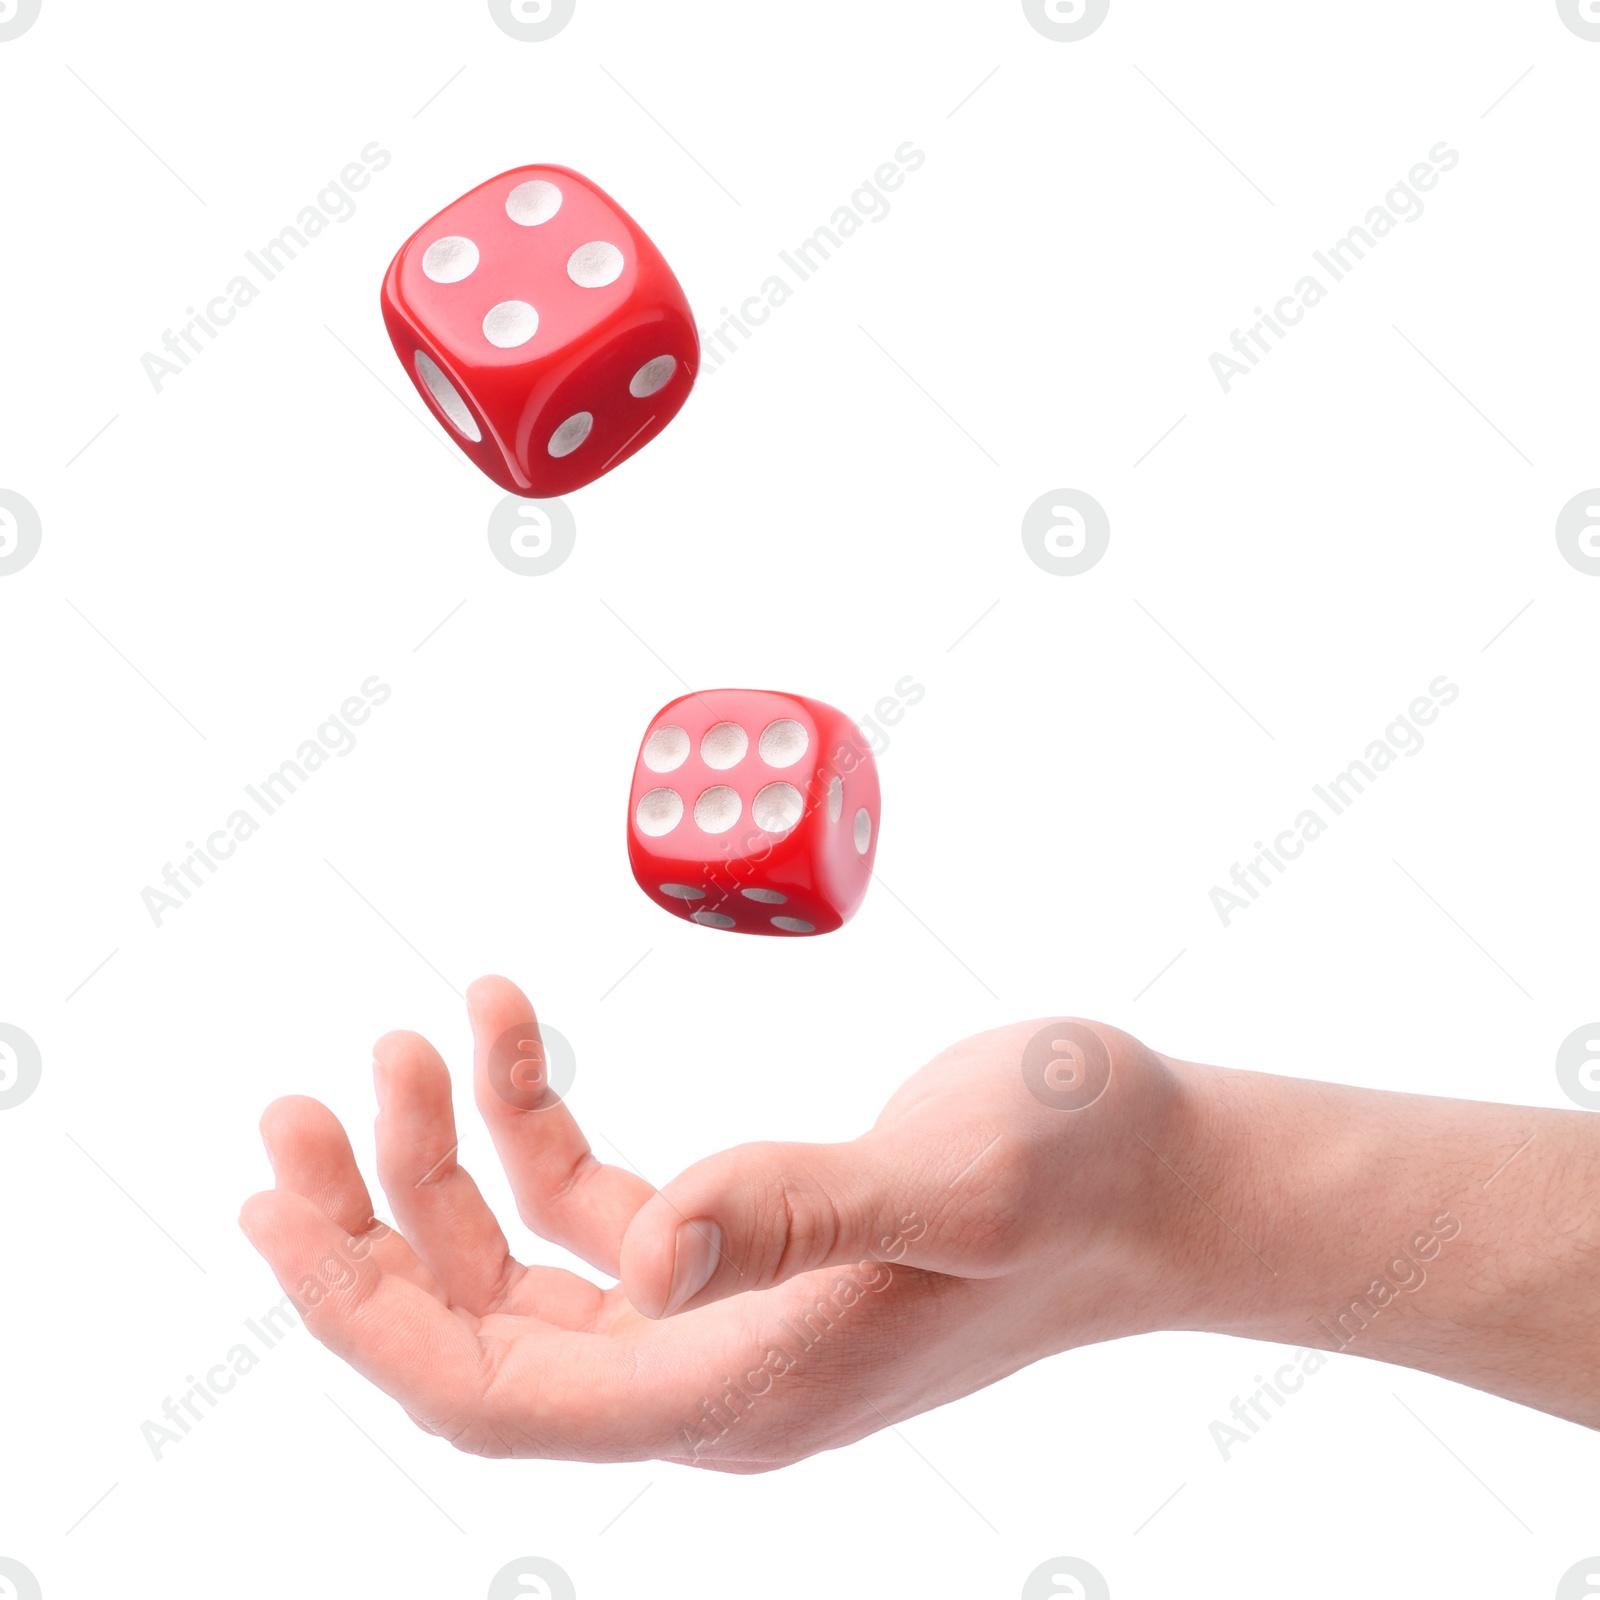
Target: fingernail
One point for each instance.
(697, 1248)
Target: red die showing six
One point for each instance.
(545, 329)
(754, 811)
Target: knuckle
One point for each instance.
(809, 1225)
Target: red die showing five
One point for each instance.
(754, 811)
(545, 329)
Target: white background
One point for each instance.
(834, 510)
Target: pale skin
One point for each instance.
(978, 1226)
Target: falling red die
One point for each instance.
(543, 328)
(755, 812)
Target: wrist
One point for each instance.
(1210, 1170)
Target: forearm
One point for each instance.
(1452, 1236)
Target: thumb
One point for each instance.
(760, 1213)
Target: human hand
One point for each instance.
(775, 1300)
(1038, 1187)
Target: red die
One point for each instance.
(754, 811)
(545, 329)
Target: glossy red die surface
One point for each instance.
(754, 812)
(543, 328)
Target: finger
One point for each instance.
(754, 1216)
(511, 1391)
(390, 1330)
(434, 1200)
(562, 1191)
(311, 1156)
